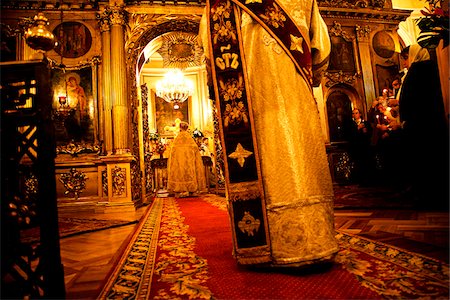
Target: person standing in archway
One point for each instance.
(185, 173)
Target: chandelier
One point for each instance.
(174, 88)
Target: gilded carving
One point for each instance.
(104, 25)
(23, 208)
(340, 77)
(344, 166)
(219, 150)
(74, 149)
(352, 3)
(337, 30)
(117, 15)
(105, 182)
(119, 180)
(138, 24)
(31, 186)
(180, 50)
(147, 143)
(362, 32)
(74, 181)
(248, 224)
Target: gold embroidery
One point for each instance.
(252, 1)
(249, 224)
(274, 16)
(227, 60)
(243, 191)
(240, 154)
(222, 30)
(232, 89)
(296, 43)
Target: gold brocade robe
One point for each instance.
(295, 174)
(185, 167)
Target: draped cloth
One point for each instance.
(185, 167)
(295, 175)
(425, 132)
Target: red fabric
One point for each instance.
(210, 226)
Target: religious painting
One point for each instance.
(167, 117)
(73, 105)
(385, 76)
(74, 39)
(383, 44)
(339, 111)
(341, 57)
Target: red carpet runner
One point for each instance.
(229, 281)
(183, 251)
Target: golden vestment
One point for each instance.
(295, 174)
(185, 167)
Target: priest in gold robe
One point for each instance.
(186, 174)
(297, 187)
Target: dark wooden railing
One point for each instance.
(30, 253)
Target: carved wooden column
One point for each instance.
(362, 34)
(119, 83)
(106, 114)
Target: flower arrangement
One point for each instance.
(158, 144)
(154, 137)
(160, 147)
(197, 133)
(434, 26)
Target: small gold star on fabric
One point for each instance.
(296, 43)
(240, 154)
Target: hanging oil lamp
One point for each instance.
(38, 37)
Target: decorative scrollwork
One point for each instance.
(74, 181)
(336, 30)
(180, 50)
(344, 166)
(352, 3)
(220, 164)
(340, 77)
(119, 178)
(74, 149)
(23, 207)
(362, 32)
(105, 182)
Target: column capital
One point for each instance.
(117, 15)
(104, 24)
(362, 33)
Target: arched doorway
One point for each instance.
(339, 112)
(170, 44)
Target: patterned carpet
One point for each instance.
(182, 250)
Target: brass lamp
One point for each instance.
(38, 37)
